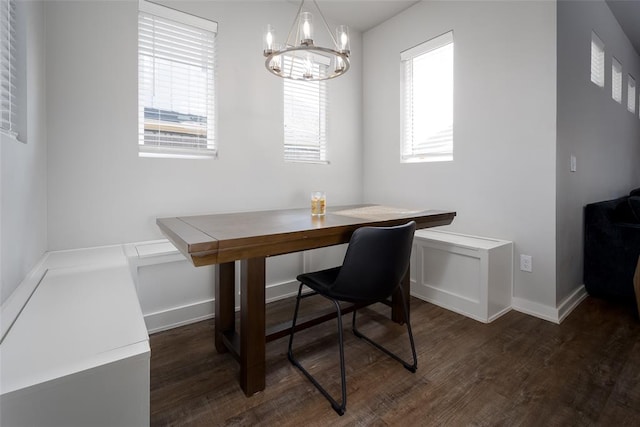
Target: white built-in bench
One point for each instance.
(77, 353)
(470, 275)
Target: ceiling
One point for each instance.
(627, 12)
(363, 15)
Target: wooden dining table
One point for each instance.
(251, 237)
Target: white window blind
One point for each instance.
(427, 101)
(616, 80)
(305, 119)
(8, 76)
(631, 94)
(597, 60)
(176, 83)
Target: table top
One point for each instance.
(226, 237)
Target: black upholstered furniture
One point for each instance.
(612, 247)
(377, 258)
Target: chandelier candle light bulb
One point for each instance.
(269, 39)
(276, 61)
(306, 21)
(342, 35)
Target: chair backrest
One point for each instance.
(376, 260)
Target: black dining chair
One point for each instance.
(377, 258)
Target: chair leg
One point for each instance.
(338, 407)
(411, 367)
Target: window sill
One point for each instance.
(11, 135)
(176, 154)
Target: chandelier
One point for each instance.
(299, 58)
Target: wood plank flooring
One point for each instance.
(518, 370)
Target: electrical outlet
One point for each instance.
(526, 263)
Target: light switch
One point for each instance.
(573, 163)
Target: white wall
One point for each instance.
(502, 179)
(23, 226)
(602, 134)
(101, 192)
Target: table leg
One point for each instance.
(396, 300)
(225, 320)
(252, 325)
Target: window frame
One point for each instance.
(186, 22)
(408, 144)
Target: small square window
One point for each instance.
(597, 60)
(631, 94)
(616, 80)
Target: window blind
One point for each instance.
(597, 60)
(305, 117)
(176, 83)
(631, 94)
(8, 76)
(427, 101)
(616, 80)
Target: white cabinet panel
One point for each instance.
(470, 275)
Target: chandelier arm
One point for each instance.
(326, 25)
(290, 42)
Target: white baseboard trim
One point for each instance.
(499, 314)
(202, 310)
(535, 309)
(571, 302)
(552, 314)
(282, 290)
(179, 316)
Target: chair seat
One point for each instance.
(322, 282)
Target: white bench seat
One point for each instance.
(78, 352)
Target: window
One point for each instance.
(616, 81)
(597, 60)
(8, 75)
(631, 94)
(427, 101)
(176, 83)
(305, 118)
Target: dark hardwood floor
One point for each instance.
(517, 370)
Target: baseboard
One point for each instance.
(499, 314)
(571, 302)
(282, 290)
(202, 310)
(179, 316)
(535, 309)
(552, 314)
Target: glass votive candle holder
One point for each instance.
(318, 203)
